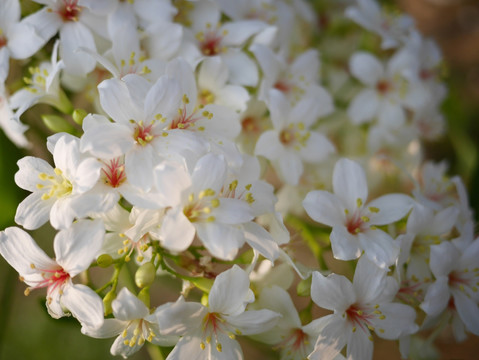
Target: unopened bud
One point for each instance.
(144, 295)
(145, 275)
(104, 260)
(304, 287)
(57, 124)
(78, 116)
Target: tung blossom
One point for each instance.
(75, 249)
(133, 324)
(354, 221)
(359, 307)
(210, 332)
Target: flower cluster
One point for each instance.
(202, 141)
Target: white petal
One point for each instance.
(261, 240)
(221, 240)
(110, 328)
(437, 297)
(107, 141)
(398, 321)
(128, 307)
(72, 36)
(84, 304)
(379, 247)
(268, 145)
(45, 22)
(230, 292)
(23, 41)
(172, 180)
(317, 148)
(232, 211)
(76, 247)
(213, 73)
(177, 231)
(29, 169)
(324, 207)
(334, 292)
(331, 340)
(115, 99)
(392, 207)
(468, 311)
(278, 300)
(19, 249)
(164, 98)
(239, 31)
(444, 259)
(290, 167)
(33, 211)
(139, 166)
(349, 183)
(243, 70)
(180, 317)
(363, 107)
(209, 173)
(369, 280)
(344, 245)
(359, 346)
(366, 68)
(253, 322)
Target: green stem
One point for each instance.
(5, 303)
(154, 352)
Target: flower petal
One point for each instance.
(84, 304)
(349, 183)
(128, 307)
(230, 292)
(334, 292)
(76, 247)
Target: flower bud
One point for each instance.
(104, 260)
(144, 295)
(78, 116)
(304, 287)
(145, 275)
(107, 300)
(57, 124)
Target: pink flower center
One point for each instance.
(465, 280)
(355, 223)
(143, 134)
(250, 125)
(69, 11)
(114, 173)
(52, 279)
(297, 341)
(3, 40)
(364, 317)
(383, 87)
(283, 86)
(211, 44)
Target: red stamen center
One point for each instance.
(70, 10)
(211, 45)
(114, 173)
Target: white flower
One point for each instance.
(293, 78)
(210, 332)
(392, 28)
(208, 36)
(354, 221)
(59, 193)
(199, 206)
(133, 323)
(13, 128)
(17, 40)
(75, 249)
(42, 87)
(389, 92)
(359, 308)
(293, 340)
(456, 283)
(291, 141)
(70, 19)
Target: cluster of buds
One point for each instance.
(202, 141)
